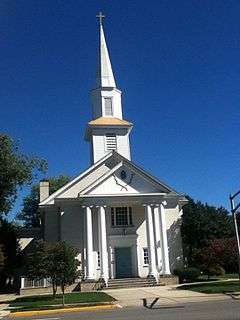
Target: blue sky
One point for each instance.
(176, 62)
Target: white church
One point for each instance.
(124, 222)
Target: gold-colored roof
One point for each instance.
(102, 121)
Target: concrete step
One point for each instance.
(139, 285)
(130, 280)
(132, 283)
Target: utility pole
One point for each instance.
(234, 210)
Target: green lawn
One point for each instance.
(213, 287)
(223, 277)
(46, 301)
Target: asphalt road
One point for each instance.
(217, 310)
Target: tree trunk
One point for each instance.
(54, 288)
(63, 296)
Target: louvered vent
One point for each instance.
(111, 142)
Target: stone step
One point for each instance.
(135, 285)
(130, 280)
(132, 283)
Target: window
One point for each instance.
(145, 256)
(121, 216)
(108, 107)
(111, 141)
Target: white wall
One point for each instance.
(99, 144)
(173, 220)
(97, 97)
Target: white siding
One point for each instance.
(98, 147)
(123, 146)
(98, 96)
(99, 142)
(173, 220)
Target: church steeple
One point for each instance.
(107, 131)
(105, 76)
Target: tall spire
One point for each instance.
(105, 76)
(107, 131)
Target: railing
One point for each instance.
(34, 283)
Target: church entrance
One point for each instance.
(123, 261)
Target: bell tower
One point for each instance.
(107, 130)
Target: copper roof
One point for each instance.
(102, 121)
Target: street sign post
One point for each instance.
(234, 209)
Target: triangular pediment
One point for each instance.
(111, 175)
(123, 179)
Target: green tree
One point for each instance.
(2, 259)
(65, 265)
(30, 212)
(202, 223)
(16, 170)
(56, 261)
(10, 255)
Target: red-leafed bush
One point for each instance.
(220, 254)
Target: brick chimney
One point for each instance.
(43, 190)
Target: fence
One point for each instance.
(34, 283)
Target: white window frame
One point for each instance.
(114, 217)
(107, 99)
(145, 257)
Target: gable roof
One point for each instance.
(111, 163)
(146, 174)
(75, 180)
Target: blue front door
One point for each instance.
(123, 262)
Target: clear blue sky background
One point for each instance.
(177, 63)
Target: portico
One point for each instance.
(125, 235)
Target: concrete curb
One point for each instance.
(62, 310)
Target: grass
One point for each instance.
(213, 287)
(223, 277)
(47, 301)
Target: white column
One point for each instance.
(89, 244)
(103, 244)
(157, 237)
(22, 282)
(164, 242)
(151, 244)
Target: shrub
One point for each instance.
(187, 274)
(216, 271)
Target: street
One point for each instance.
(219, 310)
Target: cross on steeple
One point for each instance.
(100, 16)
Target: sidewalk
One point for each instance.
(168, 295)
(4, 298)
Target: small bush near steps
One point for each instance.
(187, 274)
